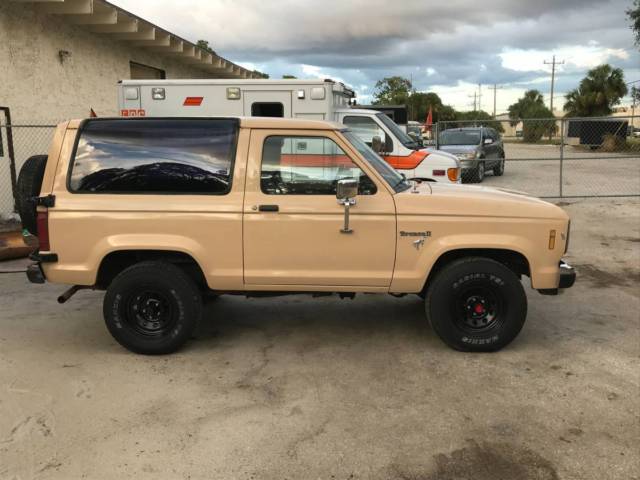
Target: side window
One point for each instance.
(365, 128)
(307, 166)
(154, 156)
(267, 109)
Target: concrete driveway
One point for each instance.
(301, 388)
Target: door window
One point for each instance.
(365, 128)
(307, 166)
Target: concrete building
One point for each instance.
(62, 57)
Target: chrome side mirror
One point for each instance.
(347, 189)
(346, 192)
(488, 141)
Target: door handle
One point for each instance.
(268, 208)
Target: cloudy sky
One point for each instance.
(447, 46)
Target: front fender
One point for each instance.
(414, 262)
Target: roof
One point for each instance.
(247, 122)
(216, 81)
(102, 17)
(361, 111)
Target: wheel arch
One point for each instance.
(116, 261)
(516, 261)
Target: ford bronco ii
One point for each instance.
(161, 212)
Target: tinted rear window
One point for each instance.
(155, 156)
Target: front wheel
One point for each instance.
(498, 170)
(478, 173)
(476, 305)
(152, 308)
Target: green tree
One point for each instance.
(537, 119)
(598, 92)
(634, 16)
(635, 95)
(289, 77)
(204, 44)
(392, 91)
(475, 118)
(419, 103)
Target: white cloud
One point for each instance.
(577, 56)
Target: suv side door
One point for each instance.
(491, 149)
(292, 220)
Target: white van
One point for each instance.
(307, 99)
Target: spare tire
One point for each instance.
(29, 184)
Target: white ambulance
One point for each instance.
(308, 99)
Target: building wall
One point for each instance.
(39, 88)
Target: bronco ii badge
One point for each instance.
(415, 234)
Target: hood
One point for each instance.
(467, 200)
(459, 148)
(441, 155)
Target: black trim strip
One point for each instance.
(44, 257)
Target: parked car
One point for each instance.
(160, 212)
(479, 149)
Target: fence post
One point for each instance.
(437, 129)
(562, 124)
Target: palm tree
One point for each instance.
(599, 91)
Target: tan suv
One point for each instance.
(160, 212)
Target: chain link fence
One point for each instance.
(547, 157)
(17, 143)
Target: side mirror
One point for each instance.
(488, 141)
(388, 144)
(346, 192)
(347, 189)
(376, 144)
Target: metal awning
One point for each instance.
(104, 18)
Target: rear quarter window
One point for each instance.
(171, 156)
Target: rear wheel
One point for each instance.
(152, 308)
(28, 186)
(476, 305)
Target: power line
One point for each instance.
(553, 64)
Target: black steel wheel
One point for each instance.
(152, 307)
(476, 304)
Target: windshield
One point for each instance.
(397, 132)
(393, 178)
(460, 137)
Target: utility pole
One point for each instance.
(553, 64)
(475, 96)
(479, 96)
(495, 88)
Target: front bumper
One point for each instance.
(468, 164)
(567, 275)
(567, 279)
